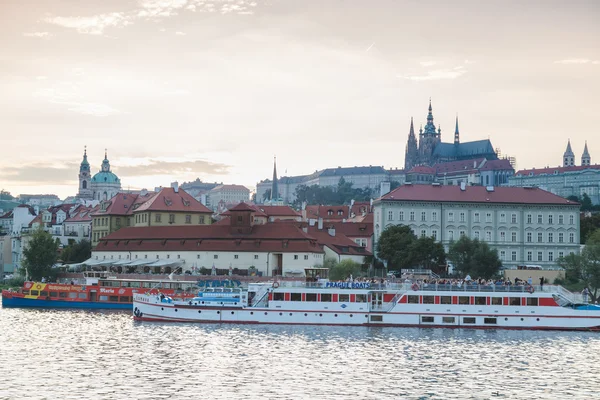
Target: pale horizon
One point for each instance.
(184, 89)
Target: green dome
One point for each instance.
(105, 177)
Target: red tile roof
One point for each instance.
(170, 200)
(242, 207)
(421, 169)
(277, 211)
(270, 237)
(351, 229)
(496, 164)
(323, 212)
(339, 243)
(474, 194)
(551, 170)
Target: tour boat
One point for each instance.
(323, 302)
(96, 291)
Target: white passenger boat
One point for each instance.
(323, 302)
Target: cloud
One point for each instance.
(577, 61)
(427, 63)
(155, 10)
(180, 33)
(152, 167)
(437, 74)
(67, 94)
(41, 173)
(94, 25)
(37, 34)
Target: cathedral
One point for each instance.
(430, 149)
(102, 186)
(569, 156)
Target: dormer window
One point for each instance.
(340, 212)
(330, 212)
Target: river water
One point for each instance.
(51, 354)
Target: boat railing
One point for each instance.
(261, 297)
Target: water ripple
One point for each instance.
(48, 354)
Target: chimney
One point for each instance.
(320, 223)
(175, 186)
(463, 186)
(331, 231)
(305, 229)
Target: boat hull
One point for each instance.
(42, 303)
(179, 312)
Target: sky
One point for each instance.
(180, 89)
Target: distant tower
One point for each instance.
(105, 163)
(85, 189)
(274, 186)
(411, 155)
(585, 157)
(429, 138)
(568, 156)
(456, 134)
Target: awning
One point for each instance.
(121, 262)
(164, 263)
(98, 263)
(139, 262)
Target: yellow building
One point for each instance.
(170, 206)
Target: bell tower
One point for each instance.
(85, 189)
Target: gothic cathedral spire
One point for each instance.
(456, 134)
(411, 153)
(568, 156)
(585, 157)
(274, 186)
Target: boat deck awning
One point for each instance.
(164, 263)
(121, 262)
(135, 263)
(97, 263)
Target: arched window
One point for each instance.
(84, 185)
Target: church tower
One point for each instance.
(411, 155)
(429, 138)
(274, 187)
(85, 188)
(585, 157)
(456, 134)
(568, 156)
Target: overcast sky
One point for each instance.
(179, 89)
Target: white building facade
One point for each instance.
(525, 225)
(227, 194)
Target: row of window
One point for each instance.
(215, 256)
(466, 320)
(514, 237)
(473, 300)
(322, 297)
(539, 256)
(477, 217)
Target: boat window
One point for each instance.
(532, 301)
(44, 293)
(448, 320)
(515, 301)
(113, 298)
(480, 301)
(463, 299)
(35, 293)
(124, 299)
(489, 321)
(311, 297)
(278, 296)
(62, 295)
(72, 295)
(361, 298)
(83, 295)
(146, 284)
(326, 297)
(376, 318)
(427, 319)
(26, 292)
(55, 294)
(344, 298)
(103, 298)
(496, 301)
(446, 300)
(110, 283)
(413, 299)
(296, 297)
(468, 320)
(428, 300)
(131, 284)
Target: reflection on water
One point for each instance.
(48, 354)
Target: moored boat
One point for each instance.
(96, 291)
(366, 304)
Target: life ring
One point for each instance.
(415, 287)
(275, 285)
(530, 289)
(38, 286)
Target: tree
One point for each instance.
(586, 203)
(40, 255)
(343, 269)
(588, 225)
(77, 252)
(584, 268)
(266, 195)
(4, 195)
(428, 253)
(573, 198)
(394, 246)
(470, 256)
